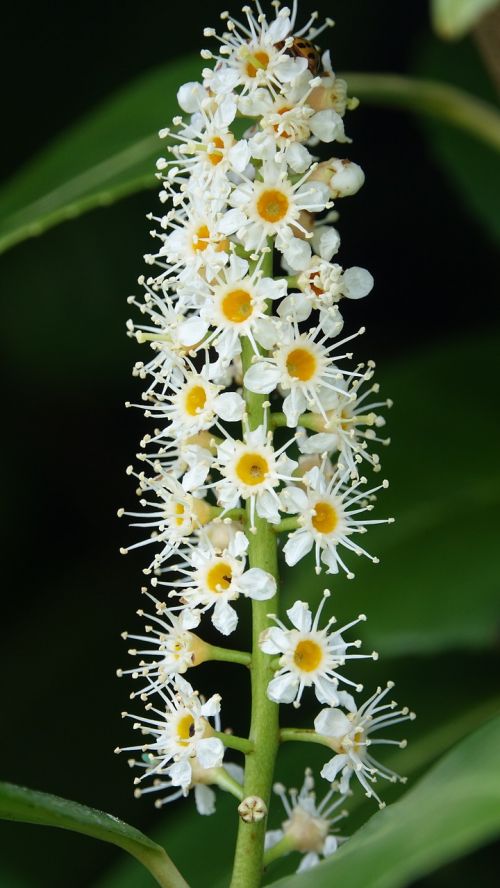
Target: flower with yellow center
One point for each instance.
(351, 425)
(194, 404)
(170, 518)
(329, 513)
(180, 732)
(211, 579)
(350, 736)
(166, 649)
(309, 656)
(252, 470)
(233, 306)
(309, 827)
(302, 366)
(272, 205)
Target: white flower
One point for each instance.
(302, 365)
(171, 649)
(253, 470)
(309, 825)
(195, 404)
(214, 579)
(180, 732)
(350, 426)
(172, 516)
(272, 206)
(233, 305)
(255, 54)
(309, 656)
(328, 517)
(350, 737)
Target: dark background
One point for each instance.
(67, 437)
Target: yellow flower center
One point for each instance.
(252, 468)
(301, 364)
(272, 205)
(219, 577)
(325, 519)
(237, 306)
(257, 60)
(277, 128)
(307, 655)
(196, 399)
(200, 241)
(358, 739)
(179, 510)
(185, 728)
(215, 157)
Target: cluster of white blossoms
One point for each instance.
(259, 416)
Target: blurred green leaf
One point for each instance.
(437, 585)
(470, 164)
(28, 806)
(453, 18)
(186, 827)
(111, 153)
(454, 808)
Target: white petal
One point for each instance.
(262, 377)
(192, 331)
(293, 406)
(298, 157)
(229, 406)
(297, 253)
(273, 836)
(180, 773)
(297, 305)
(267, 507)
(327, 125)
(224, 617)
(297, 546)
(300, 616)
(239, 156)
(226, 112)
(326, 241)
(283, 688)
(231, 221)
(274, 641)
(308, 861)
(190, 96)
(333, 723)
(330, 846)
(210, 752)
(356, 282)
(205, 799)
(258, 584)
(326, 691)
(332, 768)
(294, 499)
(320, 443)
(347, 701)
(211, 706)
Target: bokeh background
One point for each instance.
(427, 225)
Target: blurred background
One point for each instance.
(427, 225)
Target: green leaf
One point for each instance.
(29, 806)
(471, 165)
(445, 494)
(110, 154)
(453, 809)
(453, 18)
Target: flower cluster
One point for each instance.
(261, 423)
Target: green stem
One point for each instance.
(229, 784)
(430, 97)
(232, 741)
(280, 849)
(307, 735)
(286, 524)
(313, 421)
(227, 655)
(264, 724)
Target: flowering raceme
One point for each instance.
(261, 424)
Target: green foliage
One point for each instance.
(471, 165)
(453, 809)
(29, 806)
(453, 18)
(445, 492)
(108, 155)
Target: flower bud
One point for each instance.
(343, 177)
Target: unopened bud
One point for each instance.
(342, 176)
(252, 809)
